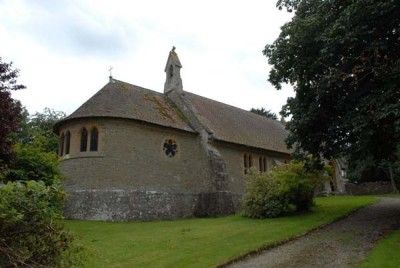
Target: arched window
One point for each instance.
(94, 139)
(67, 141)
(265, 163)
(250, 160)
(61, 150)
(262, 163)
(245, 163)
(84, 139)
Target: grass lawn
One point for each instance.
(386, 253)
(198, 242)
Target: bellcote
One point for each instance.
(173, 73)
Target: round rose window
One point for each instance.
(170, 148)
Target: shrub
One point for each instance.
(263, 197)
(284, 189)
(32, 163)
(31, 230)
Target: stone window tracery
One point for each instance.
(170, 148)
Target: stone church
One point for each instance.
(133, 153)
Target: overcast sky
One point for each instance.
(64, 48)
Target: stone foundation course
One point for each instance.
(120, 205)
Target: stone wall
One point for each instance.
(366, 188)
(131, 177)
(131, 157)
(234, 159)
(149, 205)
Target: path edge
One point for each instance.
(259, 250)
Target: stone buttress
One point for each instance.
(218, 200)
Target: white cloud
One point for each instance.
(64, 48)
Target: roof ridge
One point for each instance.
(136, 86)
(185, 92)
(238, 108)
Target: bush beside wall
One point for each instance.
(285, 189)
(31, 230)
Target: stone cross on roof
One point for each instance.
(110, 71)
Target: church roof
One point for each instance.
(235, 125)
(118, 99)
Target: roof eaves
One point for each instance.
(59, 123)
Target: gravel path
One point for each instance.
(341, 244)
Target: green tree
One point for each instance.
(10, 111)
(35, 151)
(264, 112)
(342, 58)
(37, 129)
(31, 233)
